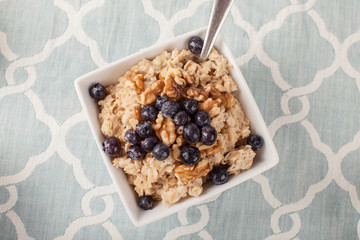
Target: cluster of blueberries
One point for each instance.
(195, 128)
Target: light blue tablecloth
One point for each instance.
(300, 58)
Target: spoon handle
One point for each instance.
(218, 14)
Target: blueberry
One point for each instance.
(161, 151)
(190, 106)
(170, 108)
(144, 129)
(149, 113)
(202, 119)
(181, 118)
(255, 141)
(135, 152)
(190, 155)
(219, 175)
(132, 137)
(149, 143)
(195, 44)
(208, 135)
(160, 100)
(191, 133)
(97, 91)
(112, 146)
(146, 202)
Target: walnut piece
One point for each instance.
(174, 79)
(134, 80)
(150, 94)
(196, 94)
(187, 77)
(180, 141)
(172, 89)
(226, 98)
(179, 75)
(186, 173)
(158, 122)
(210, 106)
(165, 129)
(172, 73)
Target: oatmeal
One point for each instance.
(192, 126)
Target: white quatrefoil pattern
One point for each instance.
(301, 59)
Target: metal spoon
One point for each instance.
(218, 14)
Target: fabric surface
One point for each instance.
(300, 59)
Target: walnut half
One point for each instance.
(165, 129)
(186, 173)
(174, 79)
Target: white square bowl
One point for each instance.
(266, 158)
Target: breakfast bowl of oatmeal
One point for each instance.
(175, 131)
